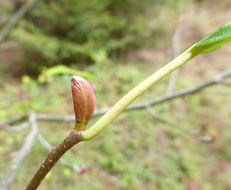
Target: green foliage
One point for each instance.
(47, 74)
(161, 160)
(79, 31)
(214, 40)
(83, 32)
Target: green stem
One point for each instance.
(105, 120)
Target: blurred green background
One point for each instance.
(115, 44)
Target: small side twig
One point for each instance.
(14, 120)
(63, 118)
(21, 154)
(15, 128)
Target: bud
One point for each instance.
(83, 169)
(84, 101)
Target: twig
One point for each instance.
(73, 138)
(206, 139)
(15, 120)
(21, 154)
(15, 18)
(63, 118)
(15, 128)
(47, 145)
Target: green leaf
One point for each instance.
(61, 69)
(66, 172)
(214, 40)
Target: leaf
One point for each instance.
(66, 172)
(214, 40)
(61, 69)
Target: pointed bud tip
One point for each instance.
(75, 77)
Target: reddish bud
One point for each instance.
(84, 169)
(84, 101)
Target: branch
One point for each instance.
(15, 128)
(15, 18)
(15, 120)
(21, 154)
(50, 117)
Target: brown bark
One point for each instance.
(73, 138)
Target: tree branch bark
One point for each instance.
(63, 162)
(73, 138)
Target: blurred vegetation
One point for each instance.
(82, 32)
(118, 43)
(136, 150)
